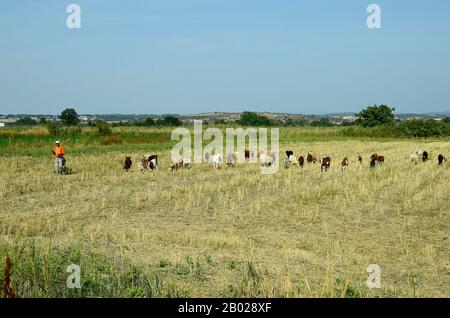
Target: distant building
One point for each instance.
(2, 124)
(8, 121)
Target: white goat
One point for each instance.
(267, 160)
(217, 160)
(231, 159)
(415, 156)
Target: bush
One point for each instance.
(423, 128)
(59, 130)
(294, 122)
(54, 129)
(410, 128)
(104, 129)
(71, 131)
(322, 122)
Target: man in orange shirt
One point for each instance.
(58, 151)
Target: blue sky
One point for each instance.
(190, 56)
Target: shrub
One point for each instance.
(103, 128)
(54, 129)
(423, 128)
(410, 128)
(70, 131)
(322, 122)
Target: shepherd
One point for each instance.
(60, 161)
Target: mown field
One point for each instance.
(223, 233)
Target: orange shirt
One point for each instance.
(59, 151)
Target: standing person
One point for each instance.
(58, 151)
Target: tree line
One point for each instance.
(376, 120)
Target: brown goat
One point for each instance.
(127, 164)
(301, 161)
(344, 164)
(325, 164)
(311, 158)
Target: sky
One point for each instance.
(193, 56)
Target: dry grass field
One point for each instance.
(229, 232)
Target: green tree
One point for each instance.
(26, 121)
(294, 122)
(446, 120)
(149, 122)
(375, 116)
(253, 119)
(322, 122)
(171, 121)
(69, 117)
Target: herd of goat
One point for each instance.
(150, 162)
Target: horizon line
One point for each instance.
(226, 112)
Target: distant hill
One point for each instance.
(444, 113)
